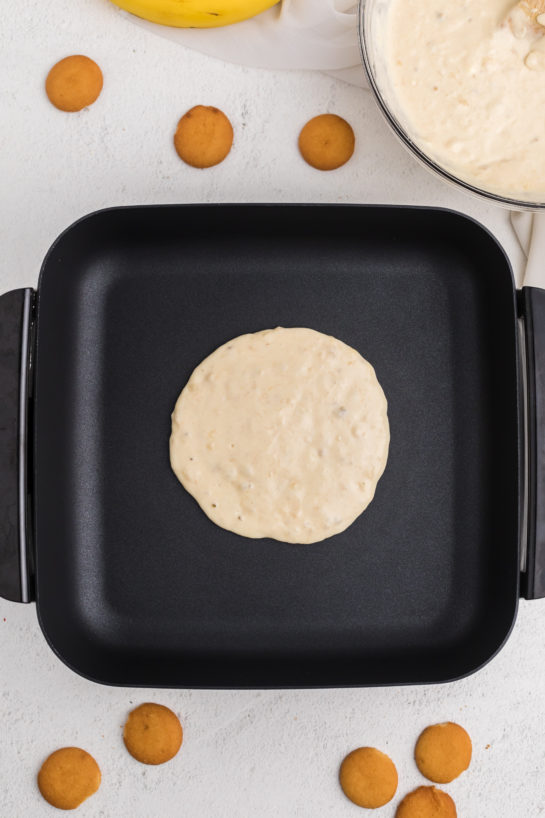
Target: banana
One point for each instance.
(195, 13)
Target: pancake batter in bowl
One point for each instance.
(282, 433)
(469, 82)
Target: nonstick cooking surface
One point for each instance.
(135, 585)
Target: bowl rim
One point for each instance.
(411, 145)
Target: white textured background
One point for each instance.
(245, 754)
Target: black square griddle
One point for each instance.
(136, 586)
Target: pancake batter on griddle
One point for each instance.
(281, 433)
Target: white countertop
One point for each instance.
(245, 753)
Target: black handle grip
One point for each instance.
(15, 333)
(533, 309)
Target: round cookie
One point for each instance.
(204, 136)
(427, 802)
(368, 777)
(443, 752)
(327, 142)
(152, 734)
(74, 83)
(67, 777)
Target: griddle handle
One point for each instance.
(533, 310)
(16, 311)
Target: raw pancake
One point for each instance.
(281, 433)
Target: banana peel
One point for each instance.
(195, 13)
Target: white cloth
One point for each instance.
(530, 231)
(320, 35)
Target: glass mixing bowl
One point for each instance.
(372, 33)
